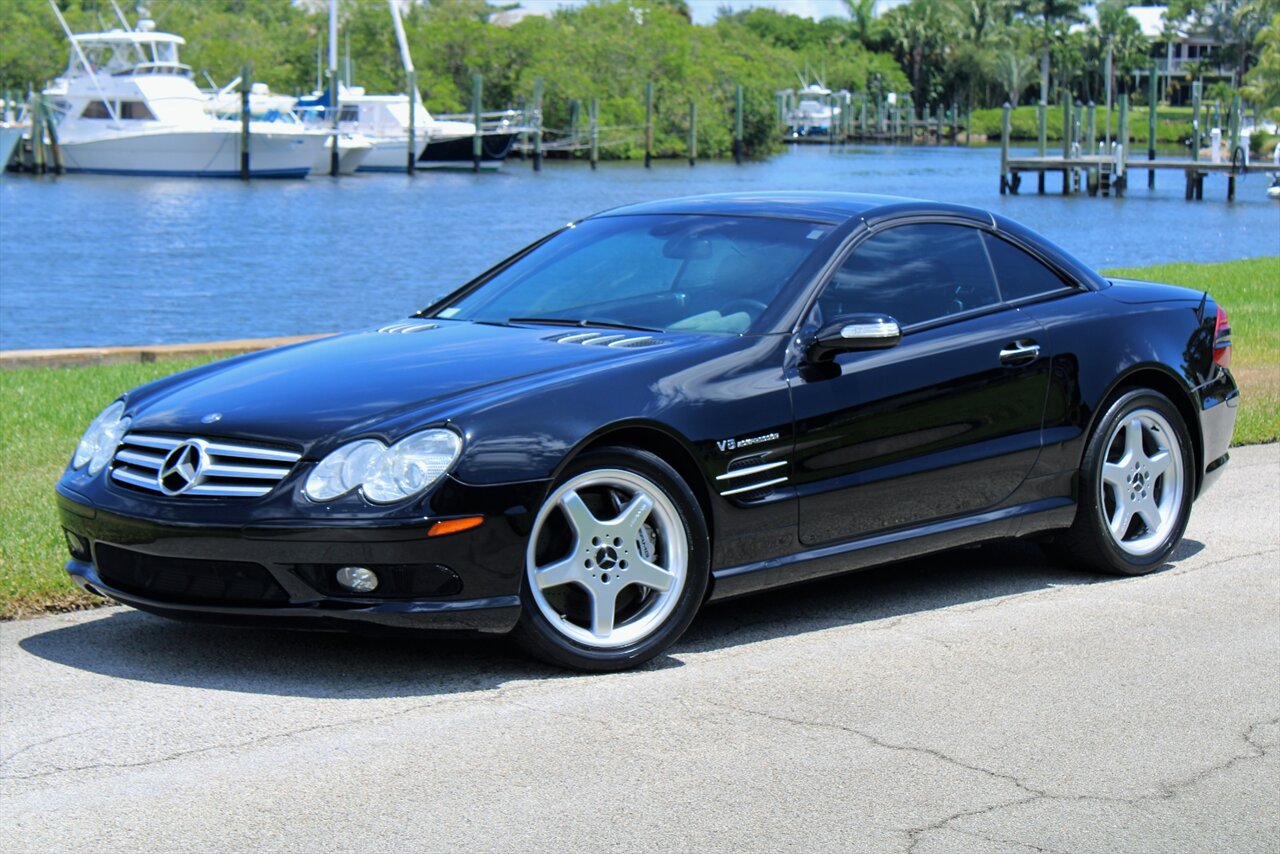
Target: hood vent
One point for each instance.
(405, 327)
(601, 339)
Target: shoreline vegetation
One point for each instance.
(936, 54)
(46, 409)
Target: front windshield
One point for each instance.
(661, 272)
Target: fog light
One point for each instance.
(77, 545)
(357, 579)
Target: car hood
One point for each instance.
(357, 383)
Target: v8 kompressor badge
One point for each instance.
(737, 444)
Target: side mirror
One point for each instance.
(852, 332)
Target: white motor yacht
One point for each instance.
(126, 105)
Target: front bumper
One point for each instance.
(283, 574)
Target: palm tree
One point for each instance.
(1014, 72)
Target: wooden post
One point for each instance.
(37, 135)
(862, 117)
(1093, 128)
(693, 133)
(411, 156)
(1152, 104)
(1042, 138)
(968, 123)
(245, 116)
(1122, 155)
(1005, 123)
(1066, 142)
(955, 124)
(537, 124)
(648, 124)
(737, 125)
(939, 123)
(595, 132)
(1195, 120)
(477, 140)
(1236, 107)
(1106, 77)
(335, 107)
(55, 150)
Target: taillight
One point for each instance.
(1222, 340)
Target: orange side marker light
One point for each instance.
(453, 526)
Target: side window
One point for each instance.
(1019, 274)
(914, 273)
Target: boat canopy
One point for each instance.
(121, 52)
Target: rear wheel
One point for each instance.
(617, 563)
(1136, 487)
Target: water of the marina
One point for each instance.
(88, 260)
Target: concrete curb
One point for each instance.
(79, 356)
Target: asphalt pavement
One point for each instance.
(981, 700)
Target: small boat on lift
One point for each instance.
(812, 115)
(126, 105)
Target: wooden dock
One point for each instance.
(1108, 175)
(1101, 167)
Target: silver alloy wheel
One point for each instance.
(1141, 488)
(642, 550)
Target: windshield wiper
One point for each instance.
(586, 324)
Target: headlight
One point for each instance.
(343, 470)
(99, 442)
(385, 475)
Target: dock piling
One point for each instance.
(1042, 135)
(1122, 153)
(1005, 123)
(537, 124)
(411, 86)
(595, 133)
(477, 139)
(55, 150)
(1066, 142)
(245, 115)
(693, 133)
(737, 125)
(1152, 105)
(648, 124)
(334, 109)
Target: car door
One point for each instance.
(944, 424)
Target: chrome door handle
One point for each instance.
(1020, 352)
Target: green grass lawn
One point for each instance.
(1250, 292)
(44, 410)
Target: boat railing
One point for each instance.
(491, 122)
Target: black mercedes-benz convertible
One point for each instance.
(661, 405)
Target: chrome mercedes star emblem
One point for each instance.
(181, 469)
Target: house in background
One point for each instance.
(1182, 52)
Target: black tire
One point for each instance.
(562, 619)
(1139, 548)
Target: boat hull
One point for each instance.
(388, 154)
(202, 154)
(457, 153)
(351, 157)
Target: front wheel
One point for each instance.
(617, 563)
(1136, 487)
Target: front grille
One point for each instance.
(185, 580)
(206, 467)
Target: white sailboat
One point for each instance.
(126, 105)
